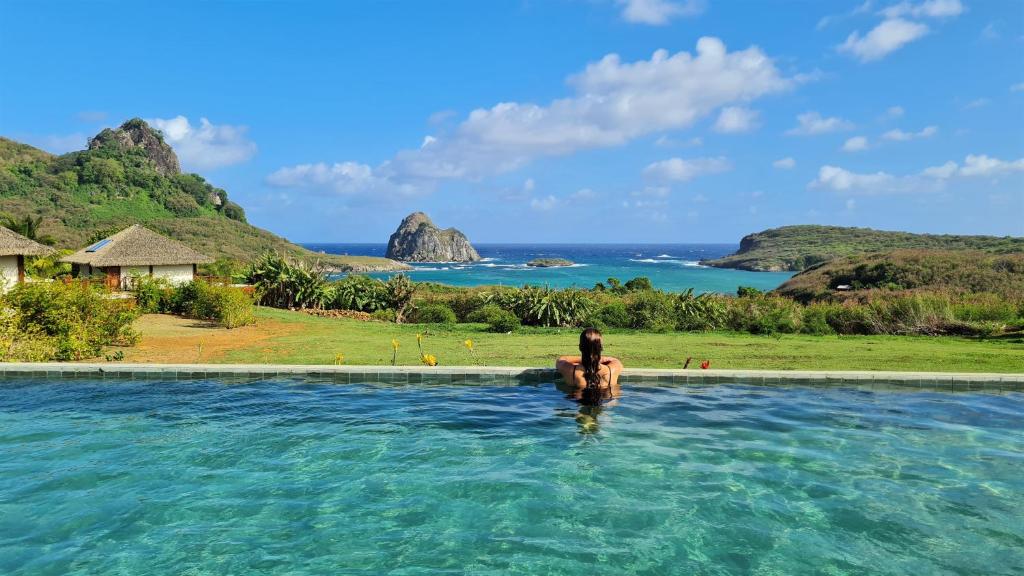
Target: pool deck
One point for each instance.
(945, 381)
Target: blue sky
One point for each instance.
(529, 121)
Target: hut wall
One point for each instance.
(174, 274)
(9, 272)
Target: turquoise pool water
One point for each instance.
(297, 477)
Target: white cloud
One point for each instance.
(664, 141)
(855, 144)
(926, 9)
(887, 37)
(850, 204)
(894, 112)
(681, 170)
(977, 103)
(583, 194)
(733, 119)
(901, 136)
(812, 123)
(338, 178)
(544, 204)
(1018, 87)
(529, 185)
(207, 145)
(658, 12)
(614, 103)
(982, 165)
(787, 163)
(825, 21)
(947, 170)
(930, 179)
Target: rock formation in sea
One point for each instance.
(419, 240)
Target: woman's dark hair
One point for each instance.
(590, 353)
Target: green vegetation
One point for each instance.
(636, 305)
(130, 176)
(798, 247)
(228, 306)
(298, 338)
(53, 321)
(549, 262)
(918, 270)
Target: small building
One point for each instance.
(13, 249)
(137, 251)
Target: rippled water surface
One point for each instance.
(296, 477)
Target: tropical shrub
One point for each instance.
(700, 313)
(651, 310)
(383, 315)
(433, 313)
(153, 295)
(497, 318)
(611, 315)
(360, 293)
(399, 291)
(765, 315)
(282, 283)
(227, 306)
(69, 322)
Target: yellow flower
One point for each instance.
(429, 359)
(394, 343)
(468, 344)
(339, 358)
(419, 338)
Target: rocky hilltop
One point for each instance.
(135, 134)
(419, 240)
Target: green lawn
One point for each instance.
(297, 338)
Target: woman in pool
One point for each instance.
(590, 378)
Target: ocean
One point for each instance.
(672, 267)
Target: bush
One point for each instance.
(153, 295)
(816, 319)
(433, 313)
(497, 318)
(67, 322)
(613, 314)
(700, 313)
(986, 307)
(765, 315)
(360, 293)
(229, 307)
(384, 315)
(651, 310)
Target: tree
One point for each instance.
(28, 227)
(400, 291)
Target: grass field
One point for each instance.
(283, 337)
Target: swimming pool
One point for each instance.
(290, 475)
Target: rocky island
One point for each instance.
(419, 240)
(795, 248)
(549, 262)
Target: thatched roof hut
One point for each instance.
(14, 244)
(136, 246)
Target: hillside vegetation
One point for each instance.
(956, 271)
(128, 176)
(795, 248)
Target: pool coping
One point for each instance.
(512, 375)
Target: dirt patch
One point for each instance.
(171, 339)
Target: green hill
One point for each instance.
(958, 271)
(795, 248)
(128, 176)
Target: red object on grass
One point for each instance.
(705, 364)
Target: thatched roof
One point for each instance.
(137, 246)
(14, 244)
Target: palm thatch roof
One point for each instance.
(14, 244)
(136, 246)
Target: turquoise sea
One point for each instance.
(298, 477)
(671, 267)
